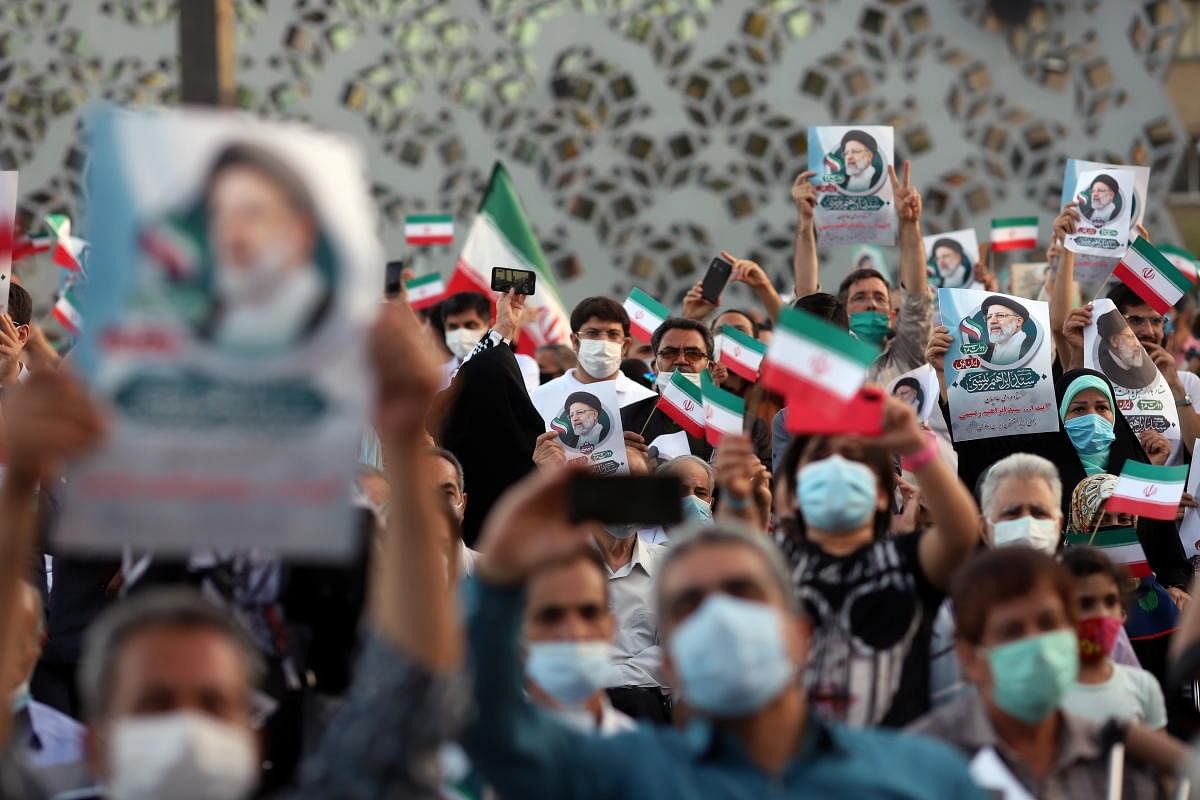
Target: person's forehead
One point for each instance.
(678, 337)
(709, 566)
(579, 406)
(238, 181)
(1139, 310)
(1024, 489)
(733, 318)
(464, 315)
(183, 655)
(1089, 396)
(1041, 598)
(1098, 583)
(871, 284)
(572, 583)
(441, 470)
(601, 324)
(691, 472)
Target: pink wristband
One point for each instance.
(922, 458)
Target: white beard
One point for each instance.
(275, 321)
(591, 436)
(1008, 350)
(860, 181)
(1102, 213)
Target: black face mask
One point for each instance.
(546, 377)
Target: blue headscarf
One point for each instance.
(1094, 459)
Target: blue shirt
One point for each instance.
(523, 752)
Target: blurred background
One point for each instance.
(643, 135)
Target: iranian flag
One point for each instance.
(1155, 279)
(425, 291)
(421, 230)
(1149, 491)
(1121, 545)
(1182, 260)
(724, 412)
(1014, 233)
(741, 353)
(681, 400)
(68, 249)
(811, 356)
(501, 236)
(645, 314)
(67, 313)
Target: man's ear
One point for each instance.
(575, 342)
(23, 333)
(628, 343)
(975, 667)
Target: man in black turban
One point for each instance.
(858, 159)
(1005, 319)
(1103, 201)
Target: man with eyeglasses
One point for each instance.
(14, 334)
(1005, 320)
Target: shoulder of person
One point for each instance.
(1142, 680)
(551, 386)
(927, 755)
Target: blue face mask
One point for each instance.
(1090, 433)
(570, 672)
(696, 510)
(869, 326)
(1030, 675)
(731, 657)
(835, 494)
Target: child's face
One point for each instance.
(1098, 596)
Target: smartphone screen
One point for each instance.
(715, 279)
(393, 278)
(522, 281)
(625, 500)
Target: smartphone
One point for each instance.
(393, 279)
(625, 499)
(715, 279)
(521, 281)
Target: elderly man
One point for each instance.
(737, 641)
(1102, 200)
(583, 412)
(951, 267)
(1123, 359)
(697, 481)
(1005, 318)
(858, 156)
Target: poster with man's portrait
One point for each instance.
(950, 260)
(8, 223)
(1189, 527)
(998, 378)
(1105, 201)
(235, 272)
(1141, 392)
(919, 388)
(855, 203)
(1092, 271)
(589, 429)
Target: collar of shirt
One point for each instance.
(643, 556)
(707, 742)
(1077, 739)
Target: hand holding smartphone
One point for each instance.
(719, 271)
(521, 281)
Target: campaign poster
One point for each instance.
(235, 271)
(951, 259)
(1093, 271)
(1189, 528)
(589, 428)
(1141, 392)
(1105, 199)
(855, 203)
(8, 223)
(998, 378)
(919, 388)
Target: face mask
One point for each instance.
(1029, 676)
(1040, 534)
(182, 755)
(600, 358)
(1097, 638)
(462, 341)
(620, 531)
(1090, 433)
(663, 378)
(696, 510)
(869, 326)
(731, 657)
(835, 494)
(20, 697)
(570, 672)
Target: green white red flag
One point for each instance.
(724, 412)
(742, 354)
(1121, 545)
(682, 401)
(1183, 261)
(68, 249)
(1014, 233)
(67, 312)
(425, 291)
(422, 230)
(1155, 279)
(501, 236)
(645, 314)
(1148, 490)
(814, 361)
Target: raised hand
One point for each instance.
(746, 271)
(804, 195)
(48, 419)
(10, 351)
(406, 372)
(939, 344)
(694, 304)
(907, 197)
(1157, 446)
(902, 431)
(1077, 320)
(510, 312)
(548, 453)
(638, 454)
(1066, 222)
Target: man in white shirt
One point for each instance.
(14, 334)
(600, 337)
(631, 564)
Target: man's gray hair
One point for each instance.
(175, 607)
(1020, 465)
(669, 467)
(705, 534)
(446, 455)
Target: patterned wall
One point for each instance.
(644, 135)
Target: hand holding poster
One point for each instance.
(998, 365)
(1105, 200)
(226, 344)
(1189, 529)
(951, 259)
(919, 388)
(589, 429)
(856, 202)
(1142, 393)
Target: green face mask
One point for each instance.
(869, 326)
(1030, 675)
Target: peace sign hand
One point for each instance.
(907, 197)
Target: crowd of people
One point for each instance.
(891, 615)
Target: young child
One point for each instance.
(1104, 688)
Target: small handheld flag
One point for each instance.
(425, 291)
(1121, 545)
(1014, 233)
(421, 230)
(724, 412)
(810, 355)
(68, 249)
(681, 400)
(1149, 491)
(741, 353)
(1155, 279)
(67, 312)
(645, 314)
(1183, 261)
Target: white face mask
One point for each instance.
(600, 358)
(663, 378)
(182, 755)
(462, 341)
(1040, 534)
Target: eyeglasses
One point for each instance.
(690, 354)
(611, 335)
(990, 317)
(1153, 322)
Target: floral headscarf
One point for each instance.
(1087, 501)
